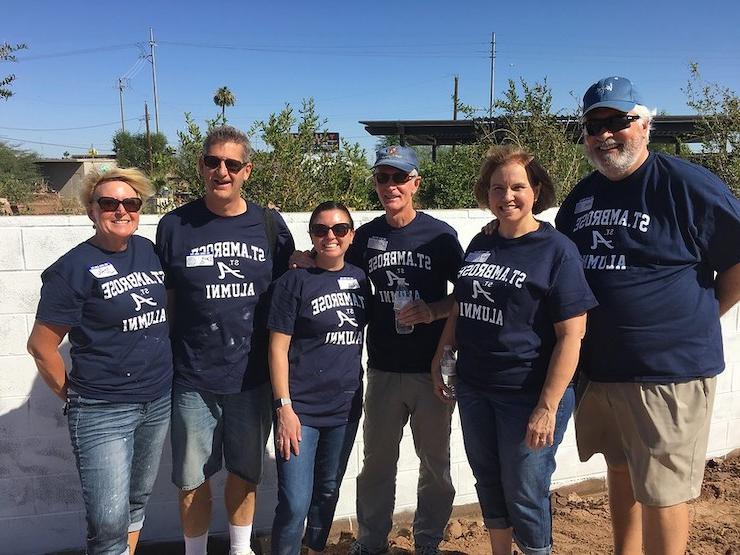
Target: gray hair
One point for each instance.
(646, 114)
(228, 134)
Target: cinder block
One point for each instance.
(12, 258)
(21, 292)
(58, 494)
(15, 417)
(407, 459)
(347, 506)
(162, 521)
(570, 435)
(49, 455)
(13, 334)
(19, 376)
(43, 533)
(733, 434)
(406, 486)
(148, 231)
(44, 245)
(722, 407)
(718, 438)
(47, 417)
(730, 321)
(465, 484)
(457, 447)
(731, 344)
(18, 497)
(724, 381)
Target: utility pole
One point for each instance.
(152, 44)
(454, 108)
(493, 74)
(120, 97)
(148, 139)
(455, 100)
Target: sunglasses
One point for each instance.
(399, 178)
(613, 124)
(321, 230)
(232, 165)
(110, 204)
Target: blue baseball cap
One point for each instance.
(399, 157)
(613, 92)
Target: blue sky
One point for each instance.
(359, 60)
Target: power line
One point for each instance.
(76, 52)
(41, 143)
(67, 128)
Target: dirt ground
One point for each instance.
(581, 521)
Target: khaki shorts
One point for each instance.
(659, 431)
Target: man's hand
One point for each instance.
(302, 259)
(416, 312)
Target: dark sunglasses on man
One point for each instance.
(613, 124)
(321, 230)
(110, 204)
(399, 178)
(232, 165)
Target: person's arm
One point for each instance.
(563, 362)
(447, 338)
(420, 312)
(288, 427)
(170, 308)
(727, 288)
(43, 345)
(302, 259)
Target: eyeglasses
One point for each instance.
(232, 165)
(613, 124)
(110, 204)
(399, 178)
(321, 230)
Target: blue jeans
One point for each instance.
(117, 447)
(512, 480)
(308, 485)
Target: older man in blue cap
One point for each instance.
(655, 236)
(411, 256)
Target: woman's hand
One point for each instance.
(541, 428)
(302, 259)
(287, 432)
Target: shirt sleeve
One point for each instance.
(59, 304)
(284, 306)
(569, 294)
(285, 246)
(716, 220)
(455, 254)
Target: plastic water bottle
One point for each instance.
(449, 374)
(401, 298)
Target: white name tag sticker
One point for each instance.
(377, 243)
(584, 204)
(104, 270)
(193, 260)
(477, 256)
(348, 283)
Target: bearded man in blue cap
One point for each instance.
(655, 237)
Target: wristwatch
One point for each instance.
(282, 402)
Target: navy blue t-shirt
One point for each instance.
(650, 245)
(425, 253)
(114, 303)
(510, 292)
(220, 269)
(325, 312)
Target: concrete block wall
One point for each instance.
(40, 502)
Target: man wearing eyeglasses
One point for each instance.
(652, 230)
(420, 254)
(220, 254)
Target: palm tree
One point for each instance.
(224, 97)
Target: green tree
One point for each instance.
(19, 176)
(189, 148)
(295, 174)
(529, 121)
(719, 126)
(448, 182)
(7, 55)
(132, 150)
(224, 97)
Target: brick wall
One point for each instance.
(40, 501)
